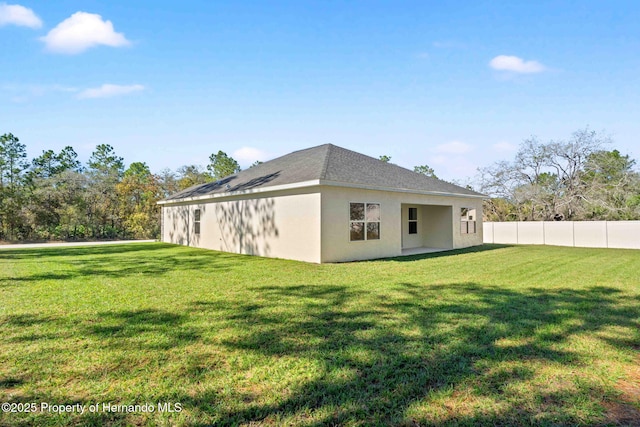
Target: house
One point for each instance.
(324, 204)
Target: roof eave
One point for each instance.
(400, 190)
(227, 194)
(316, 182)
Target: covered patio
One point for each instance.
(426, 228)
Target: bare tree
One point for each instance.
(572, 179)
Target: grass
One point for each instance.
(494, 335)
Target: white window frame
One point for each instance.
(467, 218)
(415, 221)
(197, 217)
(379, 222)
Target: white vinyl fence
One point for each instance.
(587, 234)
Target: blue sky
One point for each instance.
(456, 85)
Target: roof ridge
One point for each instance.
(325, 165)
(301, 150)
(324, 162)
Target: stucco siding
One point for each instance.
(283, 225)
(438, 223)
(412, 240)
(443, 224)
(313, 224)
(336, 244)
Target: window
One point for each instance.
(467, 221)
(364, 221)
(413, 220)
(196, 221)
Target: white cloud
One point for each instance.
(516, 65)
(453, 147)
(81, 31)
(248, 155)
(14, 14)
(503, 147)
(108, 91)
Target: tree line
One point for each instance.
(574, 179)
(55, 197)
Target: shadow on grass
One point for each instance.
(149, 329)
(119, 261)
(74, 251)
(413, 355)
(387, 359)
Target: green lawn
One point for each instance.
(494, 335)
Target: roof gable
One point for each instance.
(325, 163)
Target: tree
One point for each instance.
(608, 166)
(105, 171)
(104, 161)
(44, 166)
(45, 198)
(425, 170)
(573, 178)
(612, 186)
(221, 165)
(72, 188)
(68, 159)
(138, 193)
(385, 158)
(13, 163)
(256, 163)
(190, 175)
(49, 163)
(138, 170)
(499, 209)
(568, 159)
(168, 182)
(53, 197)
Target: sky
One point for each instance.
(456, 85)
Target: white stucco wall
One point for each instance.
(336, 246)
(412, 240)
(314, 226)
(437, 221)
(283, 225)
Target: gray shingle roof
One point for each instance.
(324, 162)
